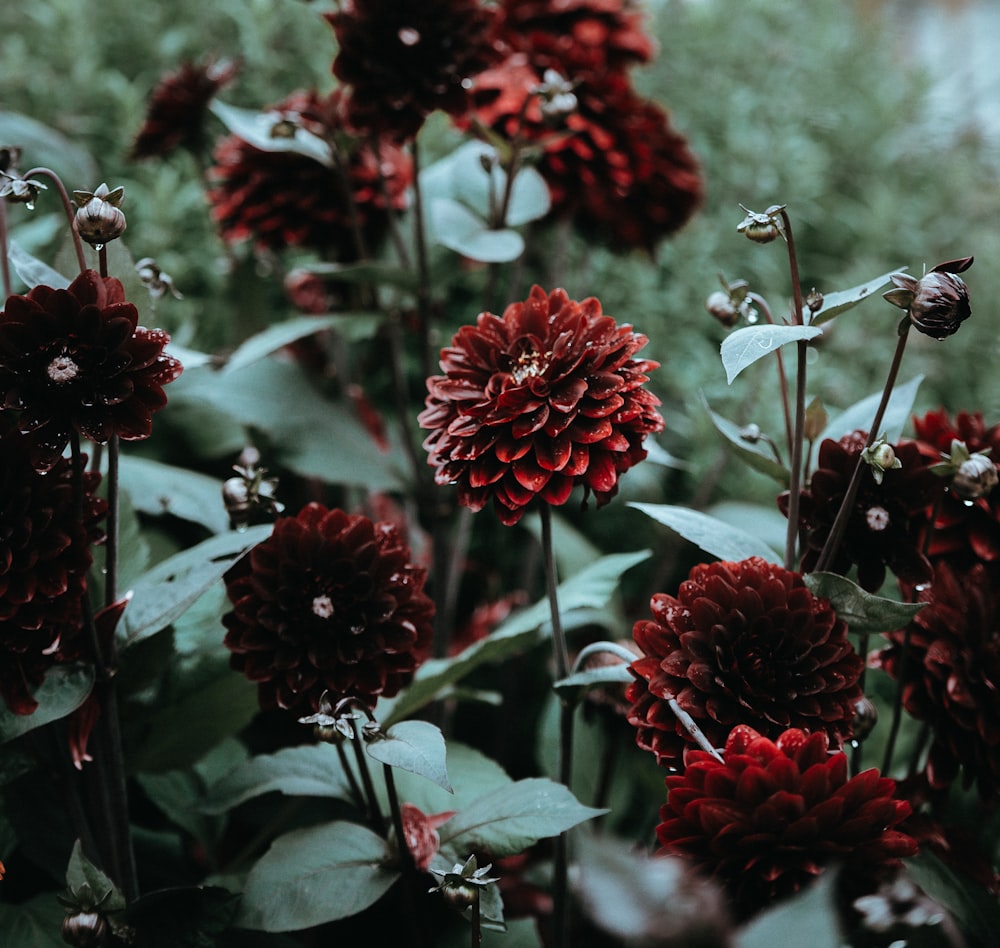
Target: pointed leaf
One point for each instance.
(811, 915)
(508, 820)
(836, 303)
(64, 689)
(863, 612)
(32, 271)
(708, 533)
(315, 875)
(414, 746)
(255, 129)
(282, 334)
(157, 489)
(745, 346)
(82, 872)
(456, 227)
(759, 456)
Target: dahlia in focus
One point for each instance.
(44, 557)
(886, 525)
(741, 643)
(537, 401)
(75, 359)
(282, 199)
(178, 107)
(328, 603)
(403, 61)
(773, 815)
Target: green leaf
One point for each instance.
(759, 456)
(370, 271)
(255, 129)
(188, 917)
(590, 589)
(33, 924)
(33, 271)
(64, 689)
(591, 677)
(836, 303)
(316, 875)
(414, 746)
(861, 414)
(454, 226)
(745, 346)
(714, 536)
(156, 489)
(82, 872)
(166, 591)
(510, 819)
(811, 915)
(976, 910)
(282, 334)
(43, 146)
(312, 770)
(863, 612)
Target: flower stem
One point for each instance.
(782, 377)
(897, 703)
(405, 856)
(477, 925)
(111, 544)
(374, 811)
(4, 262)
(356, 792)
(67, 207)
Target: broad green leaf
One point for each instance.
(64, 689)
(82, 872)
(188, 917)
(315, 875)
(976, 910)
(836, 303)
(156, 489)
(590, 589)
(759, 456)
(863, 612)
(811, 915)
(714, 536)
(43, 146)
(255, 128)
(179, 794)
(510, 819)
(474, 186)
(282, 334)
(167, 590)
(861, 414)
(745, 346)
(312, 770)
(33, 924)
(32, 270)
(765, 522)
(414, 746)
(591, 677)
(456, 227)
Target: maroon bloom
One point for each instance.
(741, 643)
(76, 360)
(770, 817)
(948, 662)
(421, 832)
(282, 199)
(328, 603)
(402, 61)
(45, 542)
(537, 401)
(885, 526)
(178, 107)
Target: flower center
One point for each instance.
(62, 369)
(877, 518)
(528, 365)
(408, 36)
(322, 606)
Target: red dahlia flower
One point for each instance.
(403, 61)
(741, 643)
(775, 814)
(329, 602)
(948, 661)
(75, 359)
(536, 401)
(45, 541)
(284, 199)
(887, 522)
(178, 107)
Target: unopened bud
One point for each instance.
(865, 718)
(975, 478)
(881, 457)
(99, 218)
(761, 228)
(155, 280)
(20, 190)
(721, 307)
(936, 304)
(83, 929)
(814, 300)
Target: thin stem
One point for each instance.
(4, 262)
(352, 781)
(897, 704)
(102, 259)
(423, 271)
(477, 926)
(111, 544)
(782, 377)
(857, 752)
(67, 207)
(407, 863)
(374, 811)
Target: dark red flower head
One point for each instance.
(403, 61)
(328, 603)
(45, 542)
(282, 199)
(951, 675)
(536, 401)
(75, 359)
(741, 643)
(178, 107)
(886, 524)
(936, 304)
(773, 815)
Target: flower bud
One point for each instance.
(155, 280)
(721, 307)
(880, 457)
(99, 218)
(761, 228)
(20, 190)
(865, 717)
(975, 478)
(84, 928)
(936, 304)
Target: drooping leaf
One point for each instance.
(282, 334)
(811, 915)
(156, 489)
(32, 270)
(836, 303)
(183, 917)
(758, 455)
(508, 820)
(64, 689)
(863, 612)
(745, 346)
(708, 533)
(414, 746)
(255, 128)
(82, 872)
(315, 875)
(456, 227)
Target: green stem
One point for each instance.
(67, 207)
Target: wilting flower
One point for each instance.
(178, 108)
(741, 643)
(948, 662)
(537, 401)
(773, 815)
(938, 303)
(403, 61)
(75, 359)
(420, 830)
(45, 540)
(328, 603)
(282, 199)
(885, 526)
